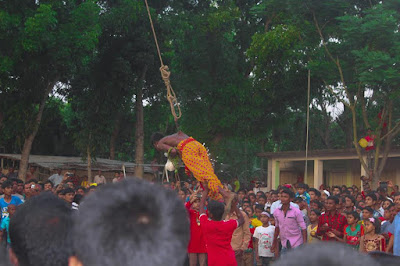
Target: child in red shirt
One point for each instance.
(197, 246)
(217, 232)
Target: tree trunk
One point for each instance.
(114, 135)
(26, 150)
(139, 131)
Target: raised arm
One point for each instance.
(204, 195)
(240, 219)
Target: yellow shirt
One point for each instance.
(256, 223)
(84, 184)
(312, 231)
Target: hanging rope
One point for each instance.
(308, 122)
(165, 74)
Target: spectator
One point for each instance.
(31, 174)
(264, 236)
(99, 178)
(11, 173)
(56, 178)
(8, 199)
(241, 236)
(289, 224)
(40, 232)
(156, 223)
(48, 186)
(331, 220)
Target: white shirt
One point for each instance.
(265, 236)
(100, 179)
(278, 204)
(56, 179)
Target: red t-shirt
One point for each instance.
(218, 236)
(196, 243)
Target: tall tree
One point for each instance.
(41, 44)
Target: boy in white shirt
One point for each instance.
(264, 236)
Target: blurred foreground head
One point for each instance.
(131, 222)
(40, 232)
(335, 254)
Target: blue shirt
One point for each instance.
(396, 233)
(5, 223)
(305, 196)
(4, 205)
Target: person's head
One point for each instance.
(7, 187)
(258, 210)
(274, 196)
(70, 184)
(382, 191)
(314, 194)
(37, 227)
(349, 201)
(316, 205)
(252, 198)
(264, 218)
(48, 185)
(128, 221)
(196, 204)
(331, 203)
(299, 201)
(353, 217)
(372, 225)
(351, 191)
(32, 169)
(386, 203)
(27, 189)
(314, 215)
(3, 179)
(396, 198)
(92, 188)
(58, 170)
(249, 211)
(241, 194)
(69, 195)
(367, 212)
(336, 190)
(286, 196)
(11, 210)
(370, 200)
(301, 188)
(245, 204)
(155, 138)
(259, 194)
(20, 186)
(387, 215)
(81, 191)
(99, 172)
(272, 220)
(11, 170)
(262, 199)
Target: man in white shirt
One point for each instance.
(56, 178)
(99, 178)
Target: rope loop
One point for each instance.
(165, 75)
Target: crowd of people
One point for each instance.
(296, 215)
(134, 222)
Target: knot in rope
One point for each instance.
(171, 96)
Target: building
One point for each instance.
(329, 167)
(46, 165)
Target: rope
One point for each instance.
(165, 74)
(308, 123)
